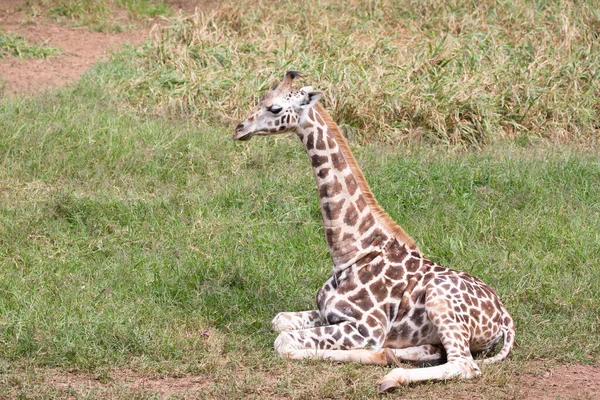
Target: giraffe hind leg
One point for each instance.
(453, 334)
(422, 356)
(291, 321)
(459, 368)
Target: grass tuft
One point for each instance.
(16, 46)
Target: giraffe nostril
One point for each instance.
(239, 127)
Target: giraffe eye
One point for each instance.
(274, 109)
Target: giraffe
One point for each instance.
(384, 301)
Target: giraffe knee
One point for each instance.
(283, 322)
(285, 344)
(469, 369)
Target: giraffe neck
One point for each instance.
(355, 225)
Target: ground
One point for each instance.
(81, 49)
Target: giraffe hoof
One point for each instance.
(387, 386)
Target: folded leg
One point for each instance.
(344, 342)
(291, 321)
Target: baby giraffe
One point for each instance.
(384, 300)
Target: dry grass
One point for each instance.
(447, 71)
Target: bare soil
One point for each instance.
(81, 49)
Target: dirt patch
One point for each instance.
(562, 382)
(81, 49)
(125, 382)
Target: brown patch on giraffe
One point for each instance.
(333, 209)
(351, 185)
(379, 315)
(351, 215)
(361, 203)
(331, 143)
(330, 189)
(338, 161)
(398, 290)
(317, 160)
(427, 278)
(336, 335)
(332, 234)
(373, 240)
(346, 287)
(323, 172)
(372, 322)
(396, 252)
(320, 142)
(363, 330)
(310, 141)
(418, 316)
(366, 223)
(413, 264)
(348, 309)
(395, 272)
(348, 329)
(362, 299)
(379, 290)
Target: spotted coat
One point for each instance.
(384, 300)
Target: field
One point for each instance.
(143, 253)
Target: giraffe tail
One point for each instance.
(509, 340)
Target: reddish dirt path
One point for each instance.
(81, 49)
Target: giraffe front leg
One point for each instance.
(345, 342)
(291, 321)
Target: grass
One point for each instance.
(16, 46)
(451, 72)
(99, 15)
(137, 238)
(124, 238)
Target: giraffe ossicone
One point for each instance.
(384, 301)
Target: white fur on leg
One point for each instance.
(463, 368)
(292, 321)
(287, 347)
(422, 353)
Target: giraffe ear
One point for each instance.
(312, 97)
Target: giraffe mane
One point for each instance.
(378, 212)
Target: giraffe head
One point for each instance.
(279, 111)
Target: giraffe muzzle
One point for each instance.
(239, 133)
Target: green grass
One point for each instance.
(99, 15)
(135, 235)
(16, 46)
(123, 238)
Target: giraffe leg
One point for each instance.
(453, 335)
(291, 321)
(419, 354)
(342, 342)
(459, 368)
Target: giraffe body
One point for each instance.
(384, 301)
